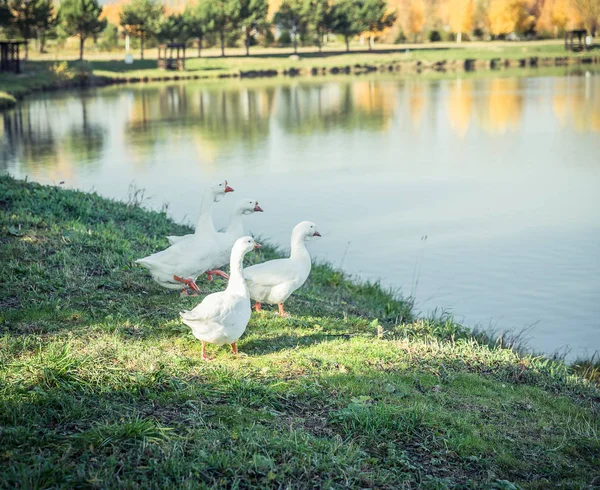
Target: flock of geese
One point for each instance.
(221, 318)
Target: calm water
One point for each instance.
(476, 196)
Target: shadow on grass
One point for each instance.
(327, 54)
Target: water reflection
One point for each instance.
(214, 117)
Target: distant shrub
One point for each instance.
(478, 33)
(267, 39)
(285, 38)
(400, 38)
(61, 71)
(110, 38)
(434, 36)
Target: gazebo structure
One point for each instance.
(570, 44)
(10, 56)
(171, 62)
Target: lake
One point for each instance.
(478, 196)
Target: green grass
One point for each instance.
(42, 73)
(102, 386)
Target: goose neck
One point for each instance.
(298, 249)
(236, 275)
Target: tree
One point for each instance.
(140, 18)
(32, 18)
(225, 17)
(45, 20)
(461, 17)
(5, 14)
(508, 16)
(318, 15)
(291, 16)
(553, 17)
(375, 15)
(346, 21)
(172, 28)
(253, 16)
(590, 14)
(81, 18)
(198, 23)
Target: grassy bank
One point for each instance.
(7, 101)
(102, 386)
(45, 73)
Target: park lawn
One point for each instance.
(102, 386)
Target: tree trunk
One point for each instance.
(200, 47)
(26, 48)
(81, 41)
(371, 42)
(42, 38)
(458, 37)
(319, 42)
(347, 39)
(295, 32)
(223, 43)
(142, 45)
(247, 43)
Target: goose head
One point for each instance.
(219, 189)
(248, 206)
(305, 230)
(244, 245)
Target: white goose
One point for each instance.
(214, 193)
(181, 263)
(195, 253)
(221, 318)
(274, 281)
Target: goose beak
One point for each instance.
(257, 245)
(228, 189)
(258, 208)
(316, 233)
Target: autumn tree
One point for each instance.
(253, 18)
(553, 17)
(291, 16)
(461, 17)
(345, 20)
(376, 17)
(81, 18)
(412, 17)
(506, 16)
(225, 18)
(590, 14)
(140, 19)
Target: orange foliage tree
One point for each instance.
(506, 16)
(412, 17)
(554, 16)
(589, 10)
(461, 16)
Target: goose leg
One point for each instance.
(217, 272)
(281, 312)
(188, 282)
(204, 355)
(234, 348)
(257, 306)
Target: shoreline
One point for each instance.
(398, 67)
